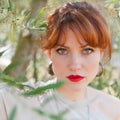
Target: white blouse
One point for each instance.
(24, 107)
(54, 103)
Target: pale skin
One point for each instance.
(76, 59)
(81, 59)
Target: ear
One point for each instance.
(48, 53)
(101, 54)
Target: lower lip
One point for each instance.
(75, 79)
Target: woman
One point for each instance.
(78, 43)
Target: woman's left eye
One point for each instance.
(87, 51)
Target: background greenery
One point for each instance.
(22, 24)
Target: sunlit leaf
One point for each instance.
(12, 33)
(40, 15)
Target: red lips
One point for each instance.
(75, 78)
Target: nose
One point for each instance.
(75, 63)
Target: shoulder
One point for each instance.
(7, 102)
(12, 96)
(9, 99)
(107, 103)
(105, 98)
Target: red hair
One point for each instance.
(80, 17)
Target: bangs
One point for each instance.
(91, 30)
(82, 32)
(86, 23)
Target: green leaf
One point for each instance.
(52, 116)
(12, 32)
(41, 89)
(1, 52)
(40, 15)
(42, 26)
(9, 5)
(13, 65)
(12, 82)
(35, 72)
(13, 113)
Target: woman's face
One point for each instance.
(75, 63)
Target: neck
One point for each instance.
(73, 93)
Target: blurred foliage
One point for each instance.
(14, 17)
(12, 114)
(108, 82)
(114, 22)
(51, 116)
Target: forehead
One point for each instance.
(71, 33)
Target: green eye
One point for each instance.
(62, 51)
(87, 51)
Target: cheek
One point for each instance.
(93, 66)
(59, 66)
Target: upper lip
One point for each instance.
(75, 76)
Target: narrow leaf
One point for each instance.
(40, 14)
(13, 65)
(42, 26)
(42, 89)
(9, 5)
(1, 52)
(12, 33)
(12, 82)
(13, 113)
(52, 116)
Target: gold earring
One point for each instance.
(101, 70)
(50, 70)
